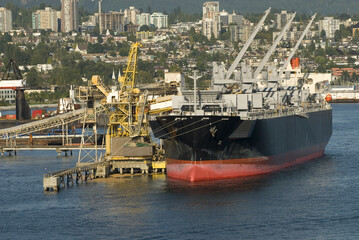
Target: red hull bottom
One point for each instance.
(221, 169)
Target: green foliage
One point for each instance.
(343, 32)
(225, 35)
(3, 102)
(145, 77)
(33, 79)
(99, 39)
(95, 48)
(131, 37)
(147, 28)
(175, 68)
(47, 96)
(196, 37)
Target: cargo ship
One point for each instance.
(244, 125)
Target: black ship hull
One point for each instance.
(216, 147)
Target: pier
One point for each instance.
(81, 173)
(84, 172)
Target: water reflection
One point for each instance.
(227, 185)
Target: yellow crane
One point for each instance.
(127, 116)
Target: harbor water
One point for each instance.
(315, 200)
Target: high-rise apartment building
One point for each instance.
(329, 25)
(282, 18)
(45, 19)
(159, 20)
(5, 20)
(113, 21)
(131, 15)
(224, 18)
(143, 19)
(69, 15)
(235, 19)
(211, 23)
(210, 10)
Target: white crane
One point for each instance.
(246, 45)
(297, 45)
(272, 48)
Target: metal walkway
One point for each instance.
(48, 123)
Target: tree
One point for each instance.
(144, 28)
(95, 48)
(351, 61)
(33, 79)
(323, 34)
(145, 77)
(99, 39)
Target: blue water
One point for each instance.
(316, 200)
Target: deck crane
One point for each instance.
(297, 44)
(246, 45)
(272, 48)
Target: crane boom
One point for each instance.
(246, 45)
(128, 79)
(297, 44)
(272, 48)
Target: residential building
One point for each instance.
(5, 20)
(210, 27)
(211, 23)
(246, 31)
(113, 21)
(234, 31)
(210, 10)
(45, 19)
(290, 36)
(224, 18)
(159, 20)
(69, 15)
(131, 28)
(329, 25)
(91, 22)
(235, 19)
(131, 15)
(143, 19)
(240, 32)
(8, 95)
(282, 18)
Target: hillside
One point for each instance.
(191, 6)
